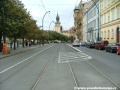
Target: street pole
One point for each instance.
(3, 22)
(50, 24)
(98, 17)
(43, 19)
(43, 26)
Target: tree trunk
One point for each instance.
(14, 42)
(23, 43)
(1, 44)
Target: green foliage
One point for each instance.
(20, 24)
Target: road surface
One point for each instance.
(60, 67)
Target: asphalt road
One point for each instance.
(60, 67)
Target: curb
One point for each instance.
(18, 53)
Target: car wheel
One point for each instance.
(118, 53)
(111, 51)
(99, 48)
(106, 50)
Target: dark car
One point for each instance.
(112, 47)
(101, 44)
(91, 44)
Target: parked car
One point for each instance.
(101, 44)
(91, 44)
(76, 43)
(118, 50)
(112, 47)
(82, 43)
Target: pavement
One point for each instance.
(18, 50)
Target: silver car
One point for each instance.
(76, 43)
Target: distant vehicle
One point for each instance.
(118, 50)
(91, 44)
(82, 43)
(101, 44)
(112, 47)
(76, 43)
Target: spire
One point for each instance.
(57, 18)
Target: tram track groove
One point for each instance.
(42, 72)
(111, 81)
(72, 72)
(21, 67)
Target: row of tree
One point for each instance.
(19, 24)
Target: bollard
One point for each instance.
(4, 48)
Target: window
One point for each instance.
(113, 0)
(108, 34)
(101, 19)
(112, 33)
(105, 34)
(101, 34)
(113, 14)
(108, 2)
(105, 18)
(104, 3)
(94, 11)
(94, 23)
(118, 12)
(109, 16)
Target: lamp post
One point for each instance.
(98, 17)
(3, 22)
(43, 19)
(50, 24)
(43, 26)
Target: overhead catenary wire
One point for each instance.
(71, 14)
(45, 9)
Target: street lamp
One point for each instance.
(98, 17)
(43, 19)
(42, 25)
(50, 24)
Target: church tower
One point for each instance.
(58, 27)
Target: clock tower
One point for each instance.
(58, 27)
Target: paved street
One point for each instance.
(60, 67)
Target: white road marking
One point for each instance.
(23, 61)
(65, 57)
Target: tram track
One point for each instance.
(105, 76)
(2, 72)
(43, 71)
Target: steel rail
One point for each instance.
(23, 66)
(98, 70)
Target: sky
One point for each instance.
(64, 8)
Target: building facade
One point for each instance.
(93, 22)
(85, 8)
(110, 20)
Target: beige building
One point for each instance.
(110, 20)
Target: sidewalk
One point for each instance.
(18, 50)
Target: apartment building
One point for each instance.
(93, 22)
(110, 20)
(85, 8)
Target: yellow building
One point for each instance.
(110, 20)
